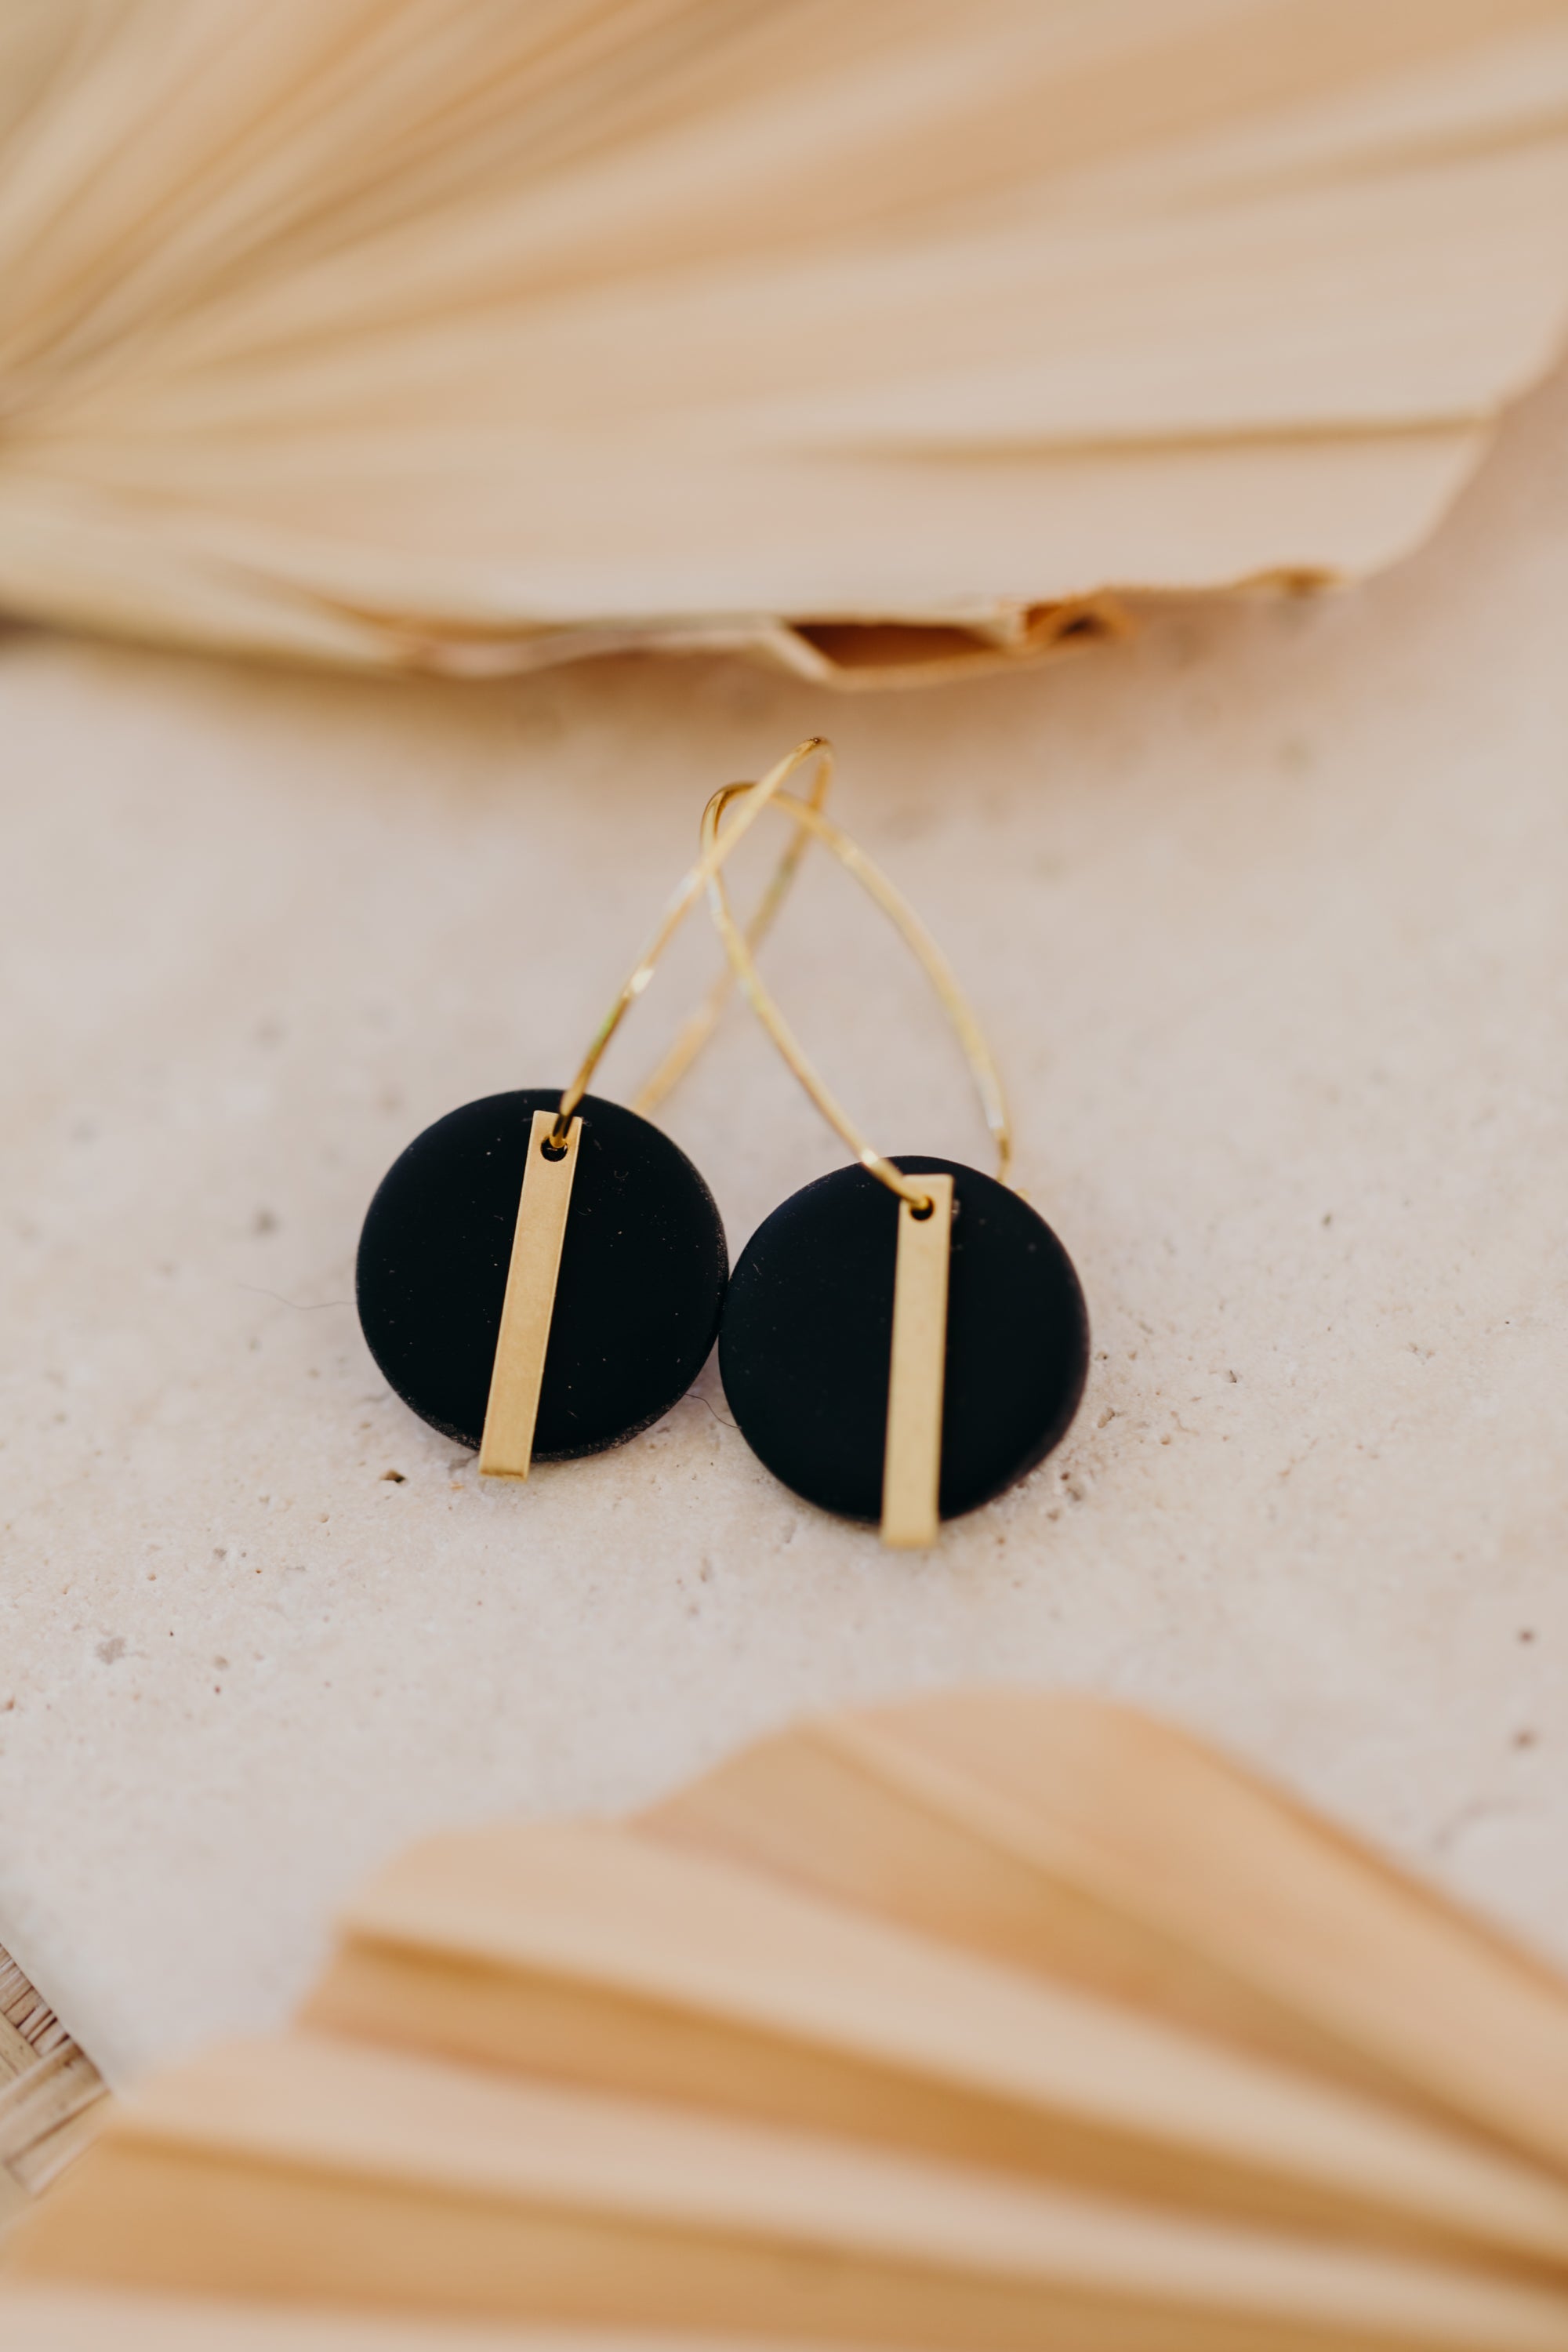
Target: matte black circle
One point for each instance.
(807, 1337)
(643, 1268)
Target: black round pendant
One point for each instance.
(806, 1340)
(643, 1268)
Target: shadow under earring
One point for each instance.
(903, 1339)
(540, 1273)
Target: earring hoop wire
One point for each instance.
(808, 817)
(716, 847)
(701, 1024)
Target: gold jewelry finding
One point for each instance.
(807, 815)
(716, 847)
(528, 1308)
(700, 1025)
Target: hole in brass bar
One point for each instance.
(552, 1148)
(921, 1209)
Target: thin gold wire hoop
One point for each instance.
(701, 1024)
(938, 971)
(716, 847)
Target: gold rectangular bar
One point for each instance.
(911, 1464)
(506, 1449)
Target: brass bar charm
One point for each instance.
(911, 1464)
(506, 1448)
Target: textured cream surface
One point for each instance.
(1267, 914)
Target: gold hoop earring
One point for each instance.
(540, 1273)
(905, 1360)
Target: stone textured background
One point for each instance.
(1267, 913)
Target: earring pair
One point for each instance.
(543, 1275)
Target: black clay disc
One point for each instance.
(807, 1336)
(643, 1268)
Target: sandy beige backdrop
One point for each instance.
(1267, 913)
